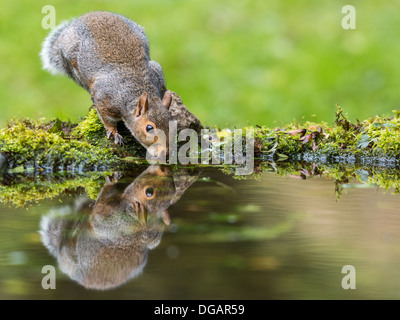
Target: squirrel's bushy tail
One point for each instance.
(50, 55)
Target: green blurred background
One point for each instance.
(233, 62)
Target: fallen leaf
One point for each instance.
(296, 132)
(306, 138)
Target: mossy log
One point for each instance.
(374, 141)
(39, 145)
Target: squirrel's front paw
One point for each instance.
(114, 177)
(117, 137)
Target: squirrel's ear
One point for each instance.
(166, 101)
(142, 105)
(166, 218)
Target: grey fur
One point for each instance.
(157, 77)
(51, 60)
(108, 55)
(73, 41)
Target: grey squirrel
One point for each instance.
(108, 55)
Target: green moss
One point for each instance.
(34, 144)
(375, 138)
(26, 191)
(90, 129)
(58, 146)
(383, 135)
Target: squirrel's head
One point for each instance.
(152, 193)
(151, 124)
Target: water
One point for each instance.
(221, 238)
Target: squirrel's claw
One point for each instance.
(114, 177)
(109, 133)
(118, 139)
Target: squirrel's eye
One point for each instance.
(149, 127)
(149, 192)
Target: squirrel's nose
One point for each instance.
(160, 154)
(163, 154)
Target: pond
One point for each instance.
(159, 232)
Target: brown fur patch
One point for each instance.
(115, 41)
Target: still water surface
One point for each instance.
(156, 234)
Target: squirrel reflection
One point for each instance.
(103, 244)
